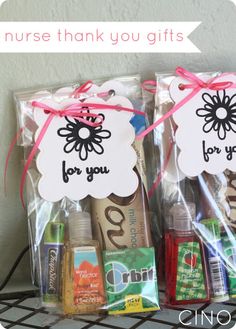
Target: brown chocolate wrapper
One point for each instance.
(231, 195)
(124, 222)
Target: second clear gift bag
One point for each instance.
(195, 120)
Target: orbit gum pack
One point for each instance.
(131, 282)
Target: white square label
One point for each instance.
(76, 160)
(206, 133)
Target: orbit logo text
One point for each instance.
(118, 276)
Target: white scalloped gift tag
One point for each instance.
(76, 160)
(206, 133)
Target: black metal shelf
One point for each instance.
(19, 311)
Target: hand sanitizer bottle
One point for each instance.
(83, 283)
(187, 276)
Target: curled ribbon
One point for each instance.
(150, 86)
(82, 89)
(76, 110)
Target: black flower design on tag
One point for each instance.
(219, 113)
(83, 138)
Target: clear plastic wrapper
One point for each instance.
(91, 241)
(197, 186)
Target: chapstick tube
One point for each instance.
(52, 250)
(216, 267)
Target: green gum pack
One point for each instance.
(131, 282)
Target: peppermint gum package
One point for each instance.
(131, 282)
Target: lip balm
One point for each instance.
(219, 288)
(53, 244)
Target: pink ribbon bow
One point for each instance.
(196, 84)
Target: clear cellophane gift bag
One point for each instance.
(86, 197)
(194, 131)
